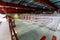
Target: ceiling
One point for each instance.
(42, 4)
(56, 2)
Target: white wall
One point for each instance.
(4, 30)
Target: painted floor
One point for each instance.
(31, 31)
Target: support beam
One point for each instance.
(13, 10)
(48, 3)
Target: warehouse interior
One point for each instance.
(30, 19)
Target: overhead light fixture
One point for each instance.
(16, 8)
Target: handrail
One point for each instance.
(12, 29)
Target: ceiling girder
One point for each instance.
(48, 3)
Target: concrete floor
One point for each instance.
(31, 31)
